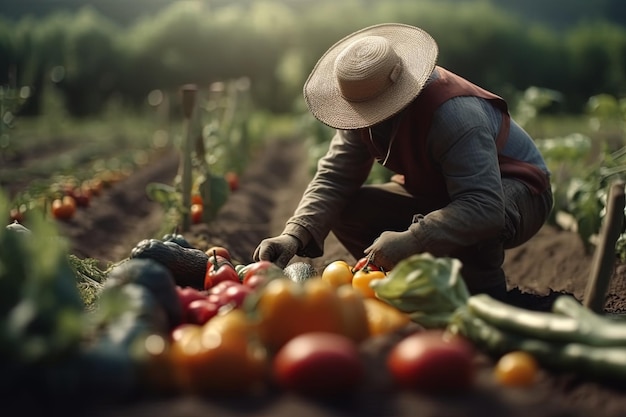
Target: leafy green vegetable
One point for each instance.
(429, 289)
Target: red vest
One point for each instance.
(410, 157)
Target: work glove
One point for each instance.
(392, 247)
(279, 250)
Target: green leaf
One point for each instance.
(429, 289)
(164, 194)
(214, 191)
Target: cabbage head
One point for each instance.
(429, 289)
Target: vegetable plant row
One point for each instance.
(174, 319)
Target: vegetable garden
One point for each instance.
(111, 349)
(127, 286)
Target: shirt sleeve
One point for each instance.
(462, 144)
(340, 173)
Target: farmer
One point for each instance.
(469, 181)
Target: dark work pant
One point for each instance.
(382, 207)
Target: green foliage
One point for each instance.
(40, 305)
(275, 44)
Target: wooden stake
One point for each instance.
(188, 103)
(604, 256)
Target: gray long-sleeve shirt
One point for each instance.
(462, 142)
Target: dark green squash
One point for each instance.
(187, 265)
(177, 238)
(154, 276)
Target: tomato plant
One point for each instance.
(517, 368)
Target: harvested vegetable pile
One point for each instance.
(551, 264)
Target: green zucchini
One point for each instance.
(187, 265)
(579, 327)
(604, 362)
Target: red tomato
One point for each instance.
(216, 274)
(196, 199)
(196, 213)
(64, 208)
(219, 251)
(236, 294)
(256, 268)
(16, 215)
(363, 263)
(319, 364)
(255, 281)
(430, 361)
(186, 295)
(82, 195)
(201, 311)
(220, 287)
(232, 178)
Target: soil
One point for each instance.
(552, 263)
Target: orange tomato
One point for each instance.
(221, 358)
(383, 318)
(63, 208)
(196, 213)
(517, 369)
(287, 309)
(362, 279)
(338, 273)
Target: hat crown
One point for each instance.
(366, 68)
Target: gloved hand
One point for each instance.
(392, 247)
(279, 250)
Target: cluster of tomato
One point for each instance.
(73, 194)
(251, 326)
(70, 194)
(358, 275)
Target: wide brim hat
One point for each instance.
(370, 75)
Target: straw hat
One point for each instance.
(370, 75)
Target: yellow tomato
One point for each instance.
(383, 318)
(517, 369)
(337, 273)
(362, 279)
